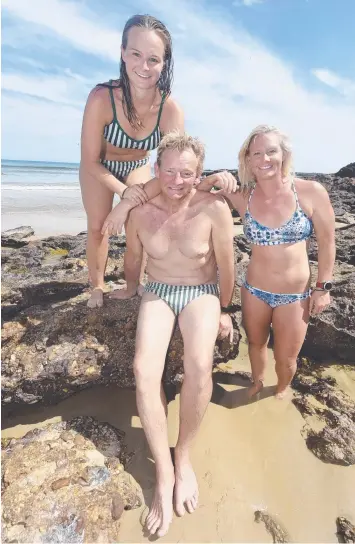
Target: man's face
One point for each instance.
(177, 173)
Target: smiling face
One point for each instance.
(177, 172)
(143, 57)
(265, 156)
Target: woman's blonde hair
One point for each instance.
(174, 140)
(247, 179)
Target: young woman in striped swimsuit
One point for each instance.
(123, 121)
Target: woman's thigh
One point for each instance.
(289, 325)
(139, 175)
(97, 199)
(257, 316)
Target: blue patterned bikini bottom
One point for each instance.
(276, 299)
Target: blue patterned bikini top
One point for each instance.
(299, 227)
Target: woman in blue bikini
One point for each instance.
(279, 214)
(123, 121)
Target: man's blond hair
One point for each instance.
(180, 142)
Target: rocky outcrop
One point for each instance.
(53, 345)
(345, 530)
(66, 483)
(16, 237)
(318, 395)
(331, 334)
(347, 171)
(51, 352)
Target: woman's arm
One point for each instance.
(172, 119)
(324, 226)
(91, 140)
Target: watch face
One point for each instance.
(328, 285)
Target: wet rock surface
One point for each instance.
(319, 396)
(331, 334)
(273, 526)
(16, 237)
(53, 345)
(345, 530)
(66, 482)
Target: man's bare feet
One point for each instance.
(161, 511)
(255, 389)
(186, 487)
(96, 299)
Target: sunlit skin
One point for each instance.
(282, 268)
(144, 60)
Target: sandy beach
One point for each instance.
(246, 456)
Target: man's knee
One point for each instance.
(198, 369)
(147, 378)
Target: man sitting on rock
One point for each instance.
(187, 235)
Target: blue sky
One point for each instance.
(238, 63)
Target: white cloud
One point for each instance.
(226, 81)
(36, 130)
(247, 3)
(68, 21)
(340, 84)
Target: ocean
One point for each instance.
(43, 195)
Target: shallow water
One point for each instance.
(246, 456)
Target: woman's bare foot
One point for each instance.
(186, 487)
(161, 511)
(282, 392)
(96, 299)
(255, 389)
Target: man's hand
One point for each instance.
(136, 193)
(225, 327)
(116, 219)
(319, 301)
(223, 180)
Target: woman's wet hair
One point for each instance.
(247, 180)
(164, 84)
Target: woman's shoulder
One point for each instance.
(309, 187)
(172, 115)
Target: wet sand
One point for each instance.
(246, 456)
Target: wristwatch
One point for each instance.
(324, 285)
(231, 309)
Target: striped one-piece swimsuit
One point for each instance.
(115, 135)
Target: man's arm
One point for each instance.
(132, 258)
(222, 239)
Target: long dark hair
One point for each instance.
(166, 77)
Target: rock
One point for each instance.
(51, 352)
(51, 270)
(320, 396)
(345, 530)
(65, 511)
(347, 171)
(273, 527)
(16, 237)
(331, 334)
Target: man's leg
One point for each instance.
(199, 323)
(154, 328)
